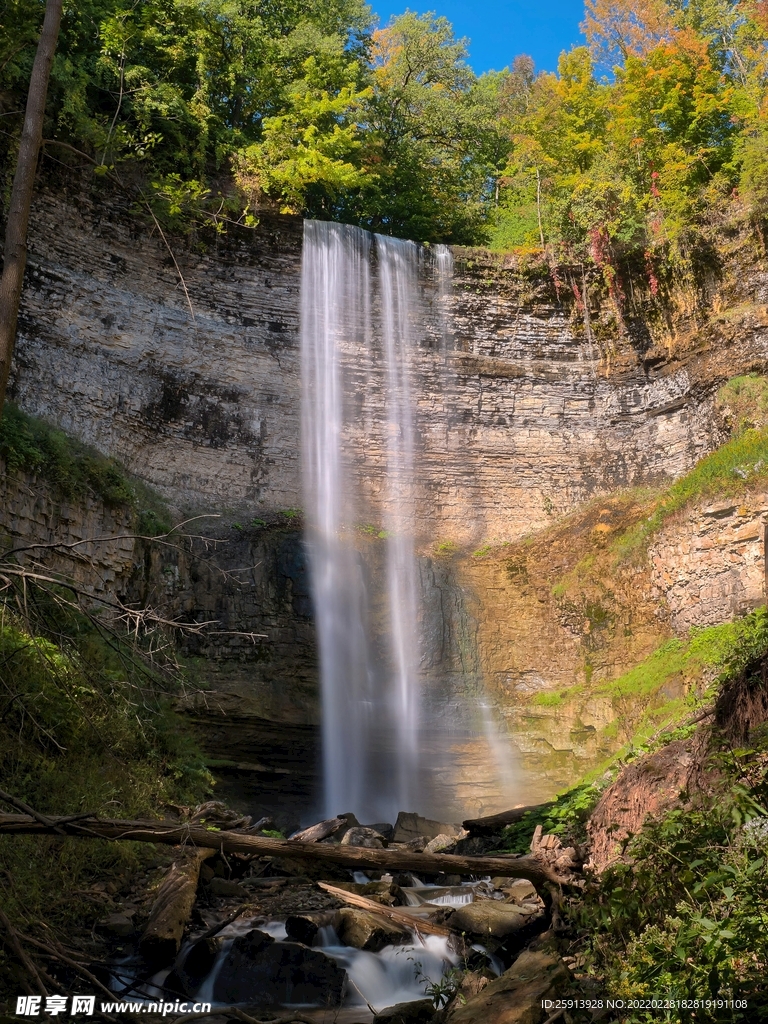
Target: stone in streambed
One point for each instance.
(262, 972)
(304, 927)
(411, 826)
(367, 838)
(223, 887)
(521, 888)
(416, 1012)
(443, 842)
(386, 893)
(118, 925)
(489, 919)
(515, 997)
(364, 930)
(193, 965)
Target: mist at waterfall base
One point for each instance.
(394, 736)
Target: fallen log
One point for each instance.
(356, 857)
(161, 939)
(494, 823)
(418, 924)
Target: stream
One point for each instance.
(298, 975)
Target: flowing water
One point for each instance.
(391, 740)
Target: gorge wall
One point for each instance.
(547, 408)
(543, 413)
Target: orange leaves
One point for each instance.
(617, 28)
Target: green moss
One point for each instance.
(446, 547)
(547, 699)
(75, 471)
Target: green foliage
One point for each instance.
(564, 817)
(75, 470)
(84, 727)
(686, 917)
(645, 710)
(743, 402)
(223, 106)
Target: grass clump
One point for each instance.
(75, 471)
(723, 473)
(743, 403)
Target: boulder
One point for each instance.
(262, 972)
(410, 825)
(304, 927)
(223, 887)
(516, 997)
(416, 1012)
(517, 890)
(387, 893)
(365, 837)
(119, 925)
(363, 930)
(193, 965)
(384, 828)
(489, 919)
(443, 842)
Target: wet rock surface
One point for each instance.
(363, 930)
(489, 919)
(516, 997)
(260, 971)
(419, 1011)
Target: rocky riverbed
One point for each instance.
(309, 939)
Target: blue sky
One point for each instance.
(500, 29)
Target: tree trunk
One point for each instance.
(15, 253)
(233, 842)
(494, 823)
(173, 904)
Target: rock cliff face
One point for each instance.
(525, 408)
(521, 410)
(710, 564)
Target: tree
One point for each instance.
(434, 134)
(15, 252)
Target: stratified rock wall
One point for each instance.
(709, 564)
(519, 411)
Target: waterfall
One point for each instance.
(394, 737)
(371, 705)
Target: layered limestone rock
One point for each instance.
(709, 565)
(520, 410)
(524, 409)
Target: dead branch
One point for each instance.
(233, 842)
(321, 830)
(410, 921)
(21, 806)
(56, 953)
(173, 904)
(14, 944)
(495, 822)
